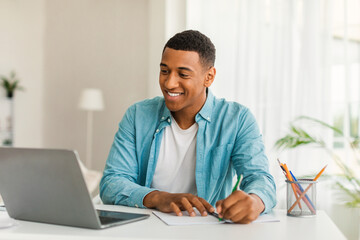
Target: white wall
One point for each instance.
(21, 49)
(90, 43)
(157, 39)
(166, 18)
(60, 47)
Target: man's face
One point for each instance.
(183, 80)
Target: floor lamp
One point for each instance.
(91, 100)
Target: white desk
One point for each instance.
(319, 227)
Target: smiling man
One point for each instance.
(181, 151)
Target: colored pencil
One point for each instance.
(306, 199)
(304, 192)
(292, 184)
(319, 174)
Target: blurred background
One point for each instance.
(280, 58)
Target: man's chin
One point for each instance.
(173, 107)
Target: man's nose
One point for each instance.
(171, 81)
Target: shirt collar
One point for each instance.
(165, 115)
(205, 112)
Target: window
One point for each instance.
(345, 72)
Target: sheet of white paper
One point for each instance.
(172, 220)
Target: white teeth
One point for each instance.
(173, 94)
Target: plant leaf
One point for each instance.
(321, 123)
(354, 196)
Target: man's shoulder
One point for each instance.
(156, 101)
(221, 105)
(148, 106)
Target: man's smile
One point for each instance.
(173, 94)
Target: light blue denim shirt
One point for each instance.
(228, 142)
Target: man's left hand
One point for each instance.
(240, 207)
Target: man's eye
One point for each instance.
(164, 71)
(183, 75)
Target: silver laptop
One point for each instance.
(46, 185)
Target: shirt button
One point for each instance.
(157, 130)
(136, 205)
(168, 120)
(162, 118)
(208, 118)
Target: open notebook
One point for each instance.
(172, 220)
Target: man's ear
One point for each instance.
(210, 77)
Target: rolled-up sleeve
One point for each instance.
(119, 184)
(249, 159)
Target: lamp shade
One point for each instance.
(91, 99)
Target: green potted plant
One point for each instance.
(11, 84)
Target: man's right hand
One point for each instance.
(177, 202)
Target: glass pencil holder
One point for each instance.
(301, 197)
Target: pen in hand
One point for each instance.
(236, 187)
(238, 183)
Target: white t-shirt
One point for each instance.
(175, 168)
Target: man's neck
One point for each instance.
(186, 119)
(183, 122)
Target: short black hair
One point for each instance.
(192, 40)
